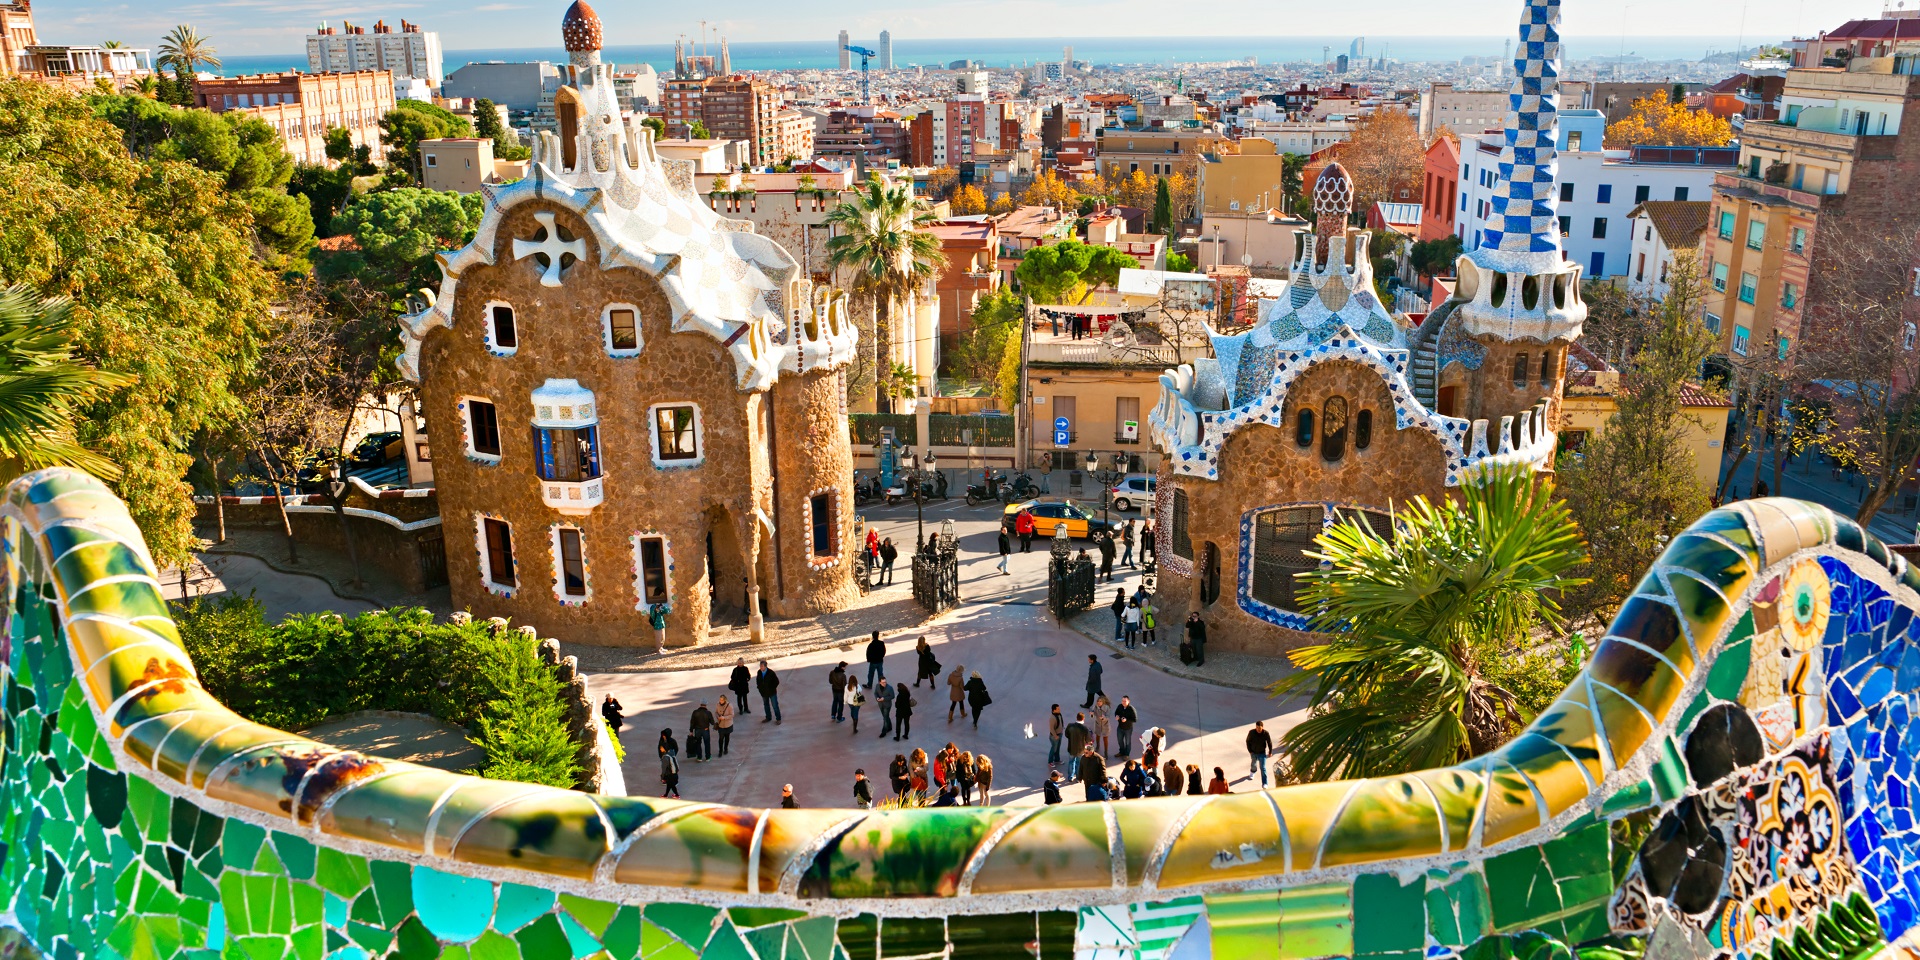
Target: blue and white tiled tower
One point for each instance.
(1517, 284)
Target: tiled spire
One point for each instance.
(1523, 234)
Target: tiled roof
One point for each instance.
(1695, 395)
(1905, 28)
(1680, 222)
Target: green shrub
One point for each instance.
(312, 667)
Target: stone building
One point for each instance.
(1331, 405)
(640, 401)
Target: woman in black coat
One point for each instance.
(929, 668)
(977, 697)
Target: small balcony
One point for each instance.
(573, 498)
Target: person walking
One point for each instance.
(1056, 727)
(1006, 549)
(1126, 542)
(862, 790)
(962, 777)
(768, 684)
(723, 722)
(928, 667)
(613, 713)
(1124, 717)
(1194, 786)
(957, 691)
(1132, 618)
(669, 774)
(1119, 608)
(902, 713)
(897, 774)
(983, 779)
(1094, 688)
(977, 697)
(667, 742)
(1078, 737)
(1170, 778)
(876, 657)
(1149, 621)
(1105, 543)
(1259, 748)
(700, 734)
(1219, 783)
(1197, 638)
(837, 686)
(1093, 773)
(883, 698)
(1023, 526)
(657, 618)
(787, 800)
(1102, 724)
(888, 554)
(856, 698)
(1146, 541)
(740, 682)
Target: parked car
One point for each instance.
(314, 474)
(1050, 514)
(376, 449)
(1134, 490)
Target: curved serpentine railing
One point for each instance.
(1751, 702)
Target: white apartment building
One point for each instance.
(1663, 230)
(1300, 136)
(1462, 111)
(1598, 187)
(410, 52)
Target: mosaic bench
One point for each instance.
(1752, 701)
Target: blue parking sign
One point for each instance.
(1062, 432)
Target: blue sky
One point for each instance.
(276, 26)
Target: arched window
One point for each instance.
(1520, 371)
(1333, 428)
(1303, 428)
(1363, 430)
(1281, 539)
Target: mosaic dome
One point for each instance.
(581, 28)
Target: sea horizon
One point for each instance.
(1001, 53)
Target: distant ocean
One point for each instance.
(1005, 52)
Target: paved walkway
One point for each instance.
(413, 737)
(1807, 478)
(281, 593)
(1028, 664)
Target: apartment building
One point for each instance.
(465, 164)
(409, 52)
(792, 136)
(864, 135)
(1664, 232)
(1841, 149)
(1304, 137)
(742, 108)
(1598, 188)
(1248, 178)
(1462, 111)
(302, 107)
(1440, 194)
(1155, 152)
(16, 35)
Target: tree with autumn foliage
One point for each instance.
(1385, 156)
(967, 200)
(1048, 190)
(1657, 121)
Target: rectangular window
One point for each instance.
(1756, 234)
(1597, 264)
(623, 329)
(483, 428)
(432, 160)
(650, 553)
(1798, 243)
(1281, 539)
(1566, 193)
(673, 433)
(1604, 194)
(1789, 295)
(1126, 410)
(1566, 226)
(1182, 540)
(1713, 322)
(1720, 277)
(567, 455)
(1726, 224)
(1641, 193)
(1740, 335)
(1781, 353)
(1680, 193)
(573, 569)
(505, 335)
(499, 539)
(1599, 228)
(822, 518)
(1749, 285)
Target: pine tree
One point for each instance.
(1162, 206)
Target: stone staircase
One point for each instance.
(1425, 363)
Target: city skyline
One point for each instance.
(243, 28)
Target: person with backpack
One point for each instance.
(669, 774)
(657, 618)
(740, 682)
(768, 683)
(1149, 621)
(862, 790)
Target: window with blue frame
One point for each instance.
(1596, 267)
(1605, 194)
(567, 454)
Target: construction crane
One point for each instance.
(866, 79)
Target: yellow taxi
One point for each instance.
(1049, 515)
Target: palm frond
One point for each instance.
(42, 386)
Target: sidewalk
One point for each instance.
(1806, 478)
(324, 571)
(1241, 671)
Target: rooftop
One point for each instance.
(1679, 222)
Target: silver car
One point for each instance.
(1134, 490)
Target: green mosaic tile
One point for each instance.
(296, 853)
(241, 842)
(622, 935)
(1579, 862)
(342, 873)
(579, 940)
(1245, 925)
(1637, 795)
(543, 939)
(1388, 917)
(1316, 921)
(761, 916)
(860, 937)
(910, 936)
(1522, 888)
(1729, 672)
(726, 944)
(816, 934)
(307, 941)
(495, 946)
(990, 936)
(594, 915)
(393, 883)
(768, 942)
(689, 922)
(453, 907)
(519, 905)
(1669, 773)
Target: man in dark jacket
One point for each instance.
(1006, 547)
(876, 658)
(1051, 788)
(838, 681)
(1124, 717)
(862, 790)
(1105, 544)
(883, 696)
(1197, 638)
(1259, 747)
(902, 712)
(1056, 728)
(700, 729)
(768, 683)
(888, 554)
(1077, 738)
(739, 683)
(1093, 773)
(1094, 689)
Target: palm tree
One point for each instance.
(42, 386)
(148, 87)
(184, 50)
(881, 235)
(1416, 615)
(111, 45)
